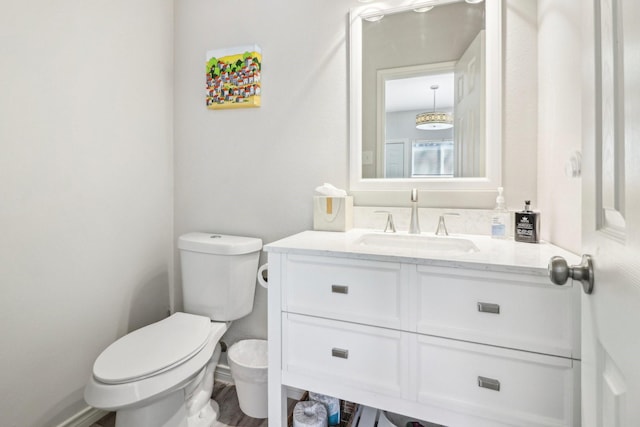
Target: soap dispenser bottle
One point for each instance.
(500, 217)
(527, 225)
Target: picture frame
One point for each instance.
(233, 77)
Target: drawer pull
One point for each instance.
(487, 307)
(489, 383)
(339, 289)
(340, 352)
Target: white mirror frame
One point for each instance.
(493, 106)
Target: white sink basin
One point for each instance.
(421, 244)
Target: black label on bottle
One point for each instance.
(526, 227)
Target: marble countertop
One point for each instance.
(492, 254)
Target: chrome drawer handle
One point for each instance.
(340, 352)
(489, 383)
(487, 307)
(339, 289)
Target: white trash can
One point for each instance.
(248, 363)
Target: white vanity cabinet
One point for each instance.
(451, 344)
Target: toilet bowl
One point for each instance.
(156, 367)
(162, 375)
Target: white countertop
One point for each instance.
(493, 254)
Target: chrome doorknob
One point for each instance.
(560, 272)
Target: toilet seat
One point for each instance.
(120, 396)
(153, 349)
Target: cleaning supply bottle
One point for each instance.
(527, 227)
(500, 217)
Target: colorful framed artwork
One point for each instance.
(233, 77)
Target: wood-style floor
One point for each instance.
(230, 413)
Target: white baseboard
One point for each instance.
(84, 418)
(223, 374)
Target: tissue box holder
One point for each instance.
(332, 213)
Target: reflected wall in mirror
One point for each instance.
(409, 63)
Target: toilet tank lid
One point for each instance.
(219, 244)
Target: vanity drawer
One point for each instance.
(345, 354)
(370, 292)
(508, 386)
(507, 310)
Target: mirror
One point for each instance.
(436, 64)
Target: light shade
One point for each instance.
(434, 121)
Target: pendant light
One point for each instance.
(434, 120)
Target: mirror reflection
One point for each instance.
(423, 93)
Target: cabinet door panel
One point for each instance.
(346, 354)
(508, 310)
(370, 292)
(508, 386)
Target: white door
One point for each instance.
(469, 96)
(611, 214)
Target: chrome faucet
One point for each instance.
(414, 224)
(442, 227)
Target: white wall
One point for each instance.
(86, 160)
(559, 120)
(519, 165)
(542, 113)
(85, 191)
(253, 171)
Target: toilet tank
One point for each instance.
(218, 274)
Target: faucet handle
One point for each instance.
(389, 227)
(442, 227)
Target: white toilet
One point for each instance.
(162, 375)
